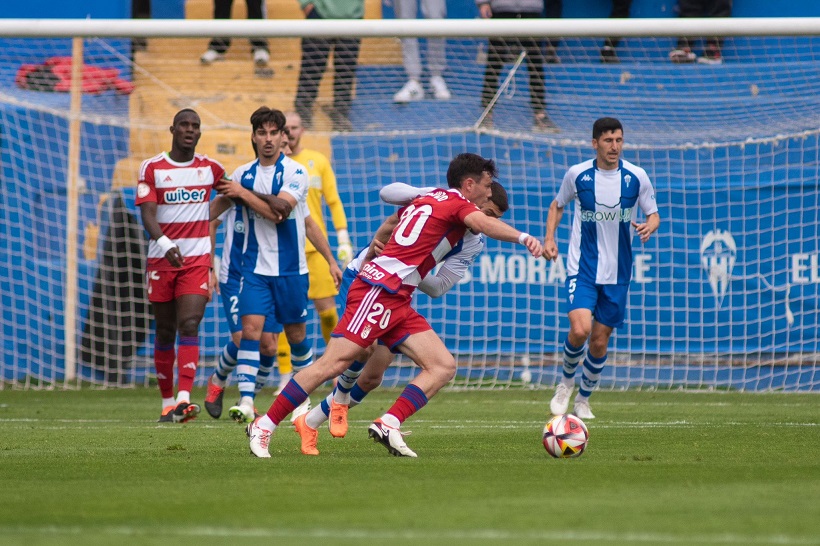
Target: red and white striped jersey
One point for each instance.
(428, 229)
(182, 192)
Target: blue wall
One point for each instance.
(72, 9)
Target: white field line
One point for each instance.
(548, 536)
(74, 424)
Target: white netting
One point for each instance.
(725, 295)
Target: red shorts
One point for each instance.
(373, 313)
(169, 285)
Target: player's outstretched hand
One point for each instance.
(643, 230)
(550, 250)
(534, 246)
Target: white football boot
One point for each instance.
(560, 401)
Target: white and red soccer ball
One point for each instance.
(565, 436)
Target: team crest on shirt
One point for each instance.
(143, 190)
(201, 174)
(366, 332)
(627, 179)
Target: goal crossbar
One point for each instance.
(395, 28)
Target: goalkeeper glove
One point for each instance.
(344, 250)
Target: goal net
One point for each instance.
(724, 295)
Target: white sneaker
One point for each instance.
(242, 413)
(261, 57)
(211, 56)
(412, 91)
(301, 409)
(259, 439)
(560, 401)
(581, 409)
(440, 90)
(391, 438)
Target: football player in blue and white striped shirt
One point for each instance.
(274, 266)
(606, 191)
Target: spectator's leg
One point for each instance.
(345, 59)
(315, 52)
(256, 10)
(620, 10)
(222, 10)
(553, 9)
(688, 8)
(495, 61)
(535, 70)
(436, 52)
(717, 8)
(408, 9)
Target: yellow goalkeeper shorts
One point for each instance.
(321, 283)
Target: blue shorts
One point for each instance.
(286, 298)
(347, 279)
(229, 292)
(606, 301)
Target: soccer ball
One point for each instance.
(565, 436)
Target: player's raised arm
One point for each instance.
(479, 222)
(553, 219)
(401, 194)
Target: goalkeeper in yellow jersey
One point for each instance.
(322, 187)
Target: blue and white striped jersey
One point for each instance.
(233, 246)
(275, 250)
(600, 245)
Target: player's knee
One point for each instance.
(446, 369)
(369, 381)
(268, 347)
(189, 326)
(578, 334)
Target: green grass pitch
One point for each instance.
(93, 467)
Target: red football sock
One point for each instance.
(187, 359)
(409, 402)
(290, 398)
(164, 357)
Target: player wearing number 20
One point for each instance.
(378, 302)
(599, 266)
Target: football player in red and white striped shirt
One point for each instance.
(378, 302)
(174, 193)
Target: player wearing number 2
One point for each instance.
(378, 302)
(599, 264)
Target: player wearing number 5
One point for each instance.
(599, 263)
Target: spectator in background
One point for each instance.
(498, 49)
(218, 46)
(620, 10)
(552, 10)
(701, 8)
(315, 53)
(436, 56)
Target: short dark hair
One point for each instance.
(469, 165)
(605, 125)
(264, 115)
(183, 111)
(499, 197)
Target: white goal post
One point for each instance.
(723, 296)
